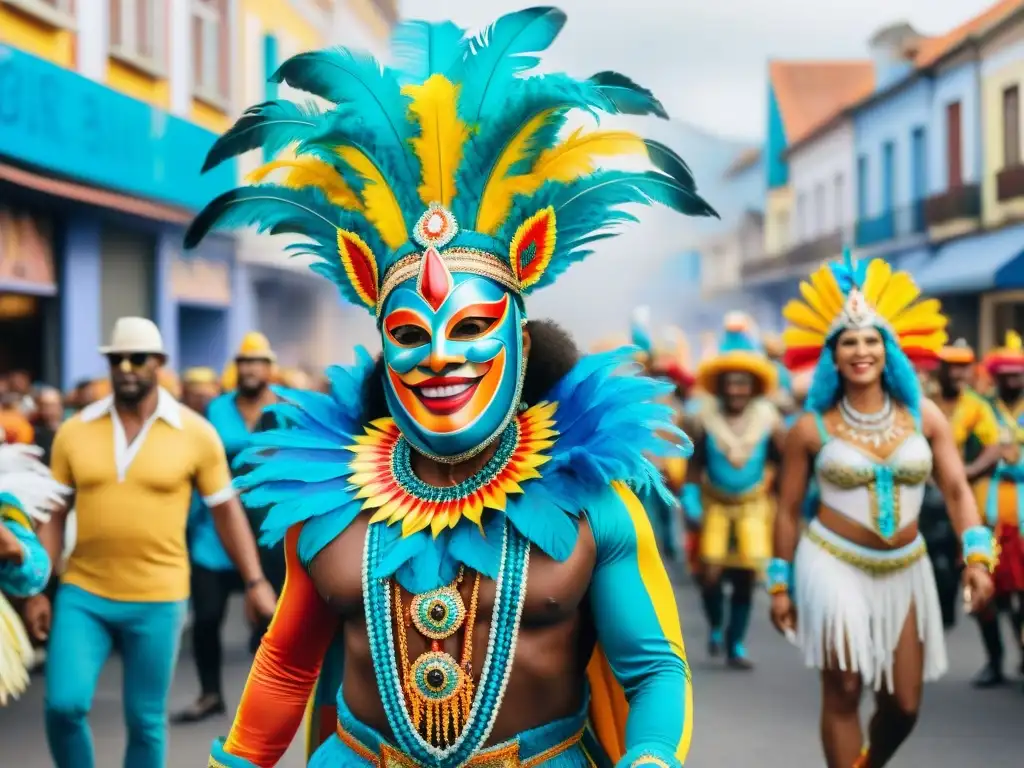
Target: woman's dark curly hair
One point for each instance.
(552, 355)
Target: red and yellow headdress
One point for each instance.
(847, 295)
(1008, 358)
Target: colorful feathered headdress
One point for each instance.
(1008, 358)
(452, 148)
(851, 294)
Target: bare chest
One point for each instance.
(555, 591)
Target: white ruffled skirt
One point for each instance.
(853, 602)
(15, 653)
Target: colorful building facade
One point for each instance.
(108, 110)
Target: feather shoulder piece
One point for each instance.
(554, 462)
(26, 483)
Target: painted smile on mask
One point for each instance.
(446, 392)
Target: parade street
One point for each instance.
(767, 718)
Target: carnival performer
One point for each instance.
(27, 492)
(199, 387)
(236, 416)
(863, 607)
(976, 433)
(1003, 497)
(737, 436)
(476, 475)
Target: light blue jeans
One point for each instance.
(86, 628)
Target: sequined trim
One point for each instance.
(875, 566)
(649, 760)
(458, 260)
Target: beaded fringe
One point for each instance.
(856, 617)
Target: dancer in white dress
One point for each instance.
(857, 593)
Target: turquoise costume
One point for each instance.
(437, 194)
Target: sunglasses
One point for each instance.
(135, 360)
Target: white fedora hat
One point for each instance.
(134, 335)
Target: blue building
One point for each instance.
(96, 188)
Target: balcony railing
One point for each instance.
(901, 222)
(1010, 183)
(963, 202)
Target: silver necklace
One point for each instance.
(874, 429)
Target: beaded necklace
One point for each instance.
(510, 594)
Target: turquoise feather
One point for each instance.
(272, 125)
(505, 49)
(626, 96)
(420, 49)
(358, 82)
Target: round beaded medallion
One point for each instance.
(438, 614)
(436, 227)
(437, 676)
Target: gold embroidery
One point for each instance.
(875, 566)
(649, 760)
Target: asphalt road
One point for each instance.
(766, 718)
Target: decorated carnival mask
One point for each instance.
(453, 354)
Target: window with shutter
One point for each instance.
(1011, 127)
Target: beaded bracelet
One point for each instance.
(778, 576)
(979, 547)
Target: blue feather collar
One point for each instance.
(558, 459)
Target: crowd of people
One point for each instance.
(466, 529)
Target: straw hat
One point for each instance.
(738, 351)
(255, 346)
(134, 335)
(199, 376)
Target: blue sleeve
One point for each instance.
(219, 758)
(30, 576)
(638, 627)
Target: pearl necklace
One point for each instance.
(874, 429)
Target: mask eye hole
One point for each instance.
(471, 328)
(409, 336)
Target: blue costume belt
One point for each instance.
(559, 743)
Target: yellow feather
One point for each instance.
(803, 316)
(442, 137)
(500, 189)
(381, 205)
(308, 171)
(875, 281)
(899, 294)
(799, 337)
(575, 156)
(1013, 341)
(824, 283)
(931, 341)
(920, 317)
(814, 300)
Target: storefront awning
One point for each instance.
(977, 263)
(93, 196)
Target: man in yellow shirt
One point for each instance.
(132, 460)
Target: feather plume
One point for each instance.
(310, 171)
(357, 81)
(269, 208)
(626, 96)
(500, 188)
(442, 136)
(271, 125)
(420, 49)
(505, 49)
(379, 200)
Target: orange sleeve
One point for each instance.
(286, 667)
